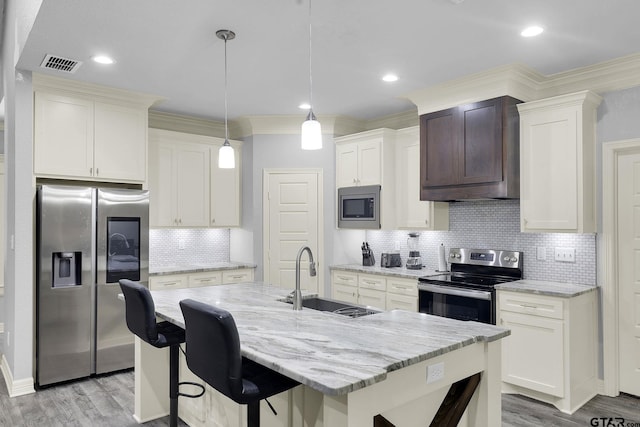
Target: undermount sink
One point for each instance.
(338, 307)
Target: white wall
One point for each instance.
(18, 300)
(283, 151)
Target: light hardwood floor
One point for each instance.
(108, 401)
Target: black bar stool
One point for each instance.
(141, 320)
(213, 354)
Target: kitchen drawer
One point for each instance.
(345, 278)
(372, 298)
(172, 281)
(369, 281)
(237, 276)
(402, 286)
(537, 305)
(205, 279)
(344, 293)
(402, 302)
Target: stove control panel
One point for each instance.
(486, 257)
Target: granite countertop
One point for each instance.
(393, 271)
(543, 287)
(331, 353)
(197, 268)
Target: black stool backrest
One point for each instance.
(213, 346)
(140, 311)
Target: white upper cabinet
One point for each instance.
(557, 164)
(361, 160)
(411, 212)
(88, 132)
(187, 189)
(120, 142)
(225, 189)
(368, 158)
(63, 136)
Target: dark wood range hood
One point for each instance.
(471, 152)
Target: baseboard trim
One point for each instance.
(15, 388)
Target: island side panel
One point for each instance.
(151, 379)
(407, 388)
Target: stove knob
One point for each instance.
(452, 255)
(458, 256)
(514, 259)
(506, 259)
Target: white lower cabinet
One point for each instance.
(237, 276)
(375, 290)
(168, 281)
(205, 278)
(551, 352)
(344, 293)
(209, 278)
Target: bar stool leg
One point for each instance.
(253, 414)
(174, 355)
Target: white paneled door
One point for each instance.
(629, 272)
(292, 215)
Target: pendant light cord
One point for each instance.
(310, 74)
(226, 127)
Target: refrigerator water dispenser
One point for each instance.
(67, 268)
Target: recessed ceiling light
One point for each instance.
(103, 59)
(304, 106)
(390, 78)
(532, 31)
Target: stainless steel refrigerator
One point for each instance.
(87, 240)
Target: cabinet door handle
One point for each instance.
(526, 221)
(91, 171)
(426, 221)
(170, 283)
(344, 278)
(535, 307)
(97, 171)
(213, 221)
(179, 220)
(237, 277)
(354, 180)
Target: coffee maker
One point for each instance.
(414, 261)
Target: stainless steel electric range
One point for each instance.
(468, 291)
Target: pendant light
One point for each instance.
(226, 155)
(311, 130)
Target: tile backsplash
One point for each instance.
(495, 224)
(181, 247)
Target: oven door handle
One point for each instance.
(447, 290)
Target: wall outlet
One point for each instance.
(565, 254)
(541, 253)
(435, 372)
(181, 244)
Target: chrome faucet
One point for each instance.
(297, 294)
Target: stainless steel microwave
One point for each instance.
(359, 207)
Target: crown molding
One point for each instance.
(516, 80)
(187, 124)
(616, 74)
(290, 125)
(55, 84)
(526, 84)
(401, 120)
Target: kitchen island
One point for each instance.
(397, 364)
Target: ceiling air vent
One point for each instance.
(66, 65)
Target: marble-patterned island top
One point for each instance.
(329, 352)
(544, 287)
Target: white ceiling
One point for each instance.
(168, 48)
